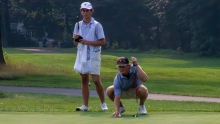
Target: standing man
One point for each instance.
(128, 85)
(93, 38)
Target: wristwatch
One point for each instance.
(135, 64)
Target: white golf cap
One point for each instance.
(86, 5)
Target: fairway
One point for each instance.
(106, 118)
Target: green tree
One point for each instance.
(203, 18)
(5, 23)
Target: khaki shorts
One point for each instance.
(96, 63)
(130, 93)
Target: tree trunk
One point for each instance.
(2, 60)
(182, 42)
(158, 35)
(5, 28)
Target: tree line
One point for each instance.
(186, 25)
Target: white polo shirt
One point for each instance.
(99, 33)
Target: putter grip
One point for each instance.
(79, 38)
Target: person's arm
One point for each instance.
(100, 42)
(75, 34)
(141, 74)
(117, 93)
(117, 105)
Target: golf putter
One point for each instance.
(80, 37)
(135, 91)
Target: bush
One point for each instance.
(69, 44)
(165, 51)
(19, 40)
(125, 51)
(2, 95)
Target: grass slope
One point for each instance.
(170, 74)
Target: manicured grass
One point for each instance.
(96, 118)
(34, 108)
(168, 73)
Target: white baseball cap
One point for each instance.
(86, 5)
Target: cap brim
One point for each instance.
(85, 8)
(122, 65)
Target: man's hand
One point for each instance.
(75, 36)
(141, 74)
(84, 42)
(134, 60)
(117, 114)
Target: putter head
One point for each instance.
(136, 115)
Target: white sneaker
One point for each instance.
(121, 110)
(143, 110)
(104, 106)
(82, 108)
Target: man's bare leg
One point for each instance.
(99, 87)
(142, 94)
(85, 88)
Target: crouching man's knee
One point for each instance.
(142, 91)
(110, 92)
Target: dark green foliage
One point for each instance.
(21, 41)
(2, 95)
(183, 25)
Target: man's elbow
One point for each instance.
(103, 42)
(144, 79)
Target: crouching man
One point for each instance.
(128, 85)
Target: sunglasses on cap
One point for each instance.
(122, 62)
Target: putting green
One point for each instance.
(106, 118)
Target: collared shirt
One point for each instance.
(123, 83)
(99, 33)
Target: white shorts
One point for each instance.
(96, 63)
